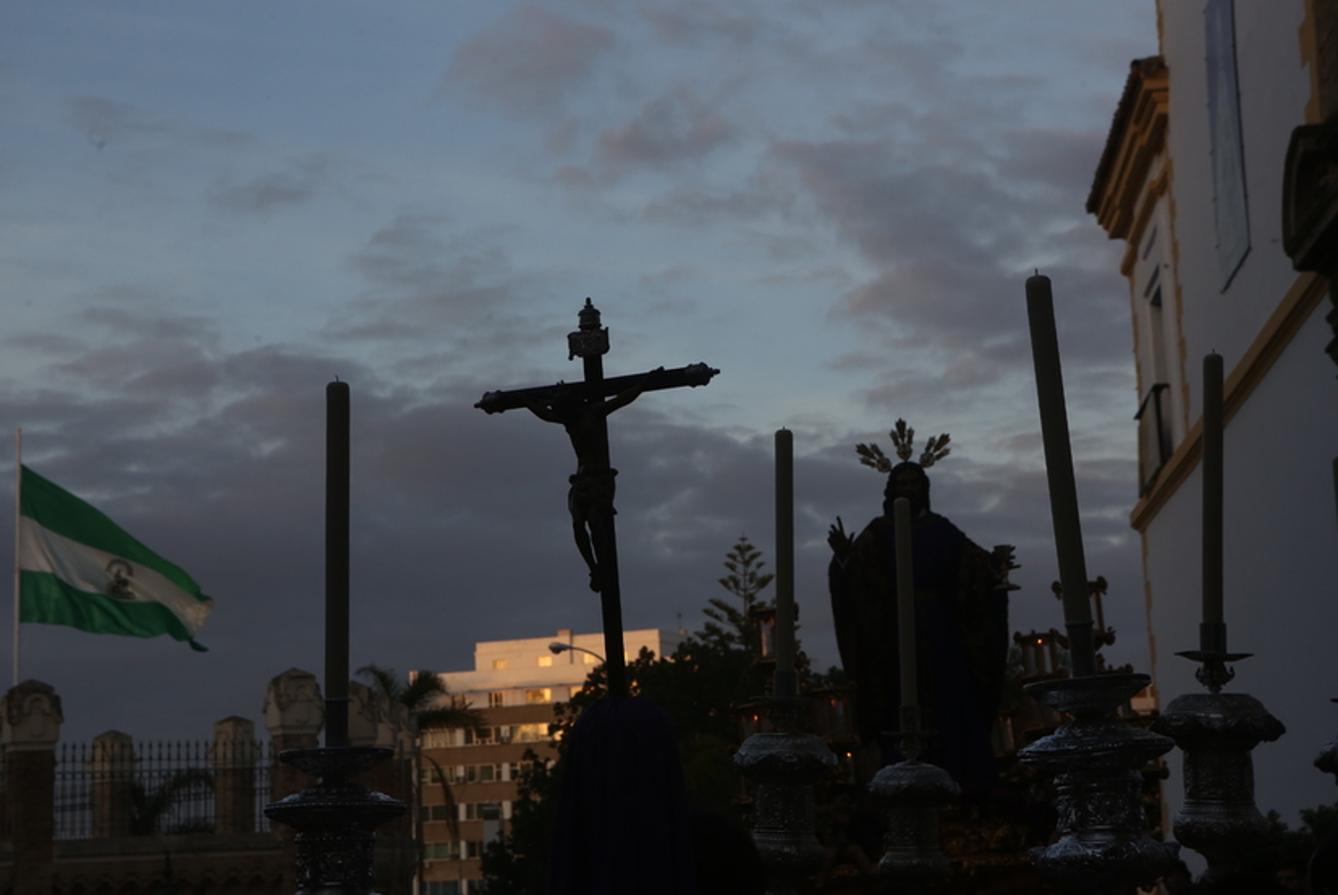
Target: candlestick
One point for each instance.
(901, 518)
(784, 683)
(1212, 493)
(336, 562)
(1059, 472)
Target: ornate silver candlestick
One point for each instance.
(1095, 760)
(915, 793)
(1217, 732)
(784, 766)
(335, 820)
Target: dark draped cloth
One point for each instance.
(961, 612)
(622, 825)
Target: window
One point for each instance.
(472, 849)
(443, 886)
(438, 739)
(480, 810)
(531, 733)
(496, 699)
(545, 661)
(440, 851)
(439, 812)
(538, 695)
(588, 659)
(482, 773)
(498, 664)
(1154, 436)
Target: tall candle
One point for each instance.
(336, 563)
(901, 519)
(784, 685)
(1059, 472)
(1212, 489)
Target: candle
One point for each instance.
(1212, 490)
(336, 563)
(901, 519)
(784, 683)
(1059, 472)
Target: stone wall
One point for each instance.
(113, 853)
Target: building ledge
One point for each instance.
(1137, 135)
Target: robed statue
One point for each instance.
(961, 611)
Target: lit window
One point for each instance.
(540, 694)
(588, 659)
(498, 664)
(545, 661)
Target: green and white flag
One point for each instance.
(79, 568)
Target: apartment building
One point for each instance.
(470, 778)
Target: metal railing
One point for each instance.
(1154, 435)
(161, 787)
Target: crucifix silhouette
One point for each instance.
(583, 408)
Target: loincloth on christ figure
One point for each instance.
(591, 490)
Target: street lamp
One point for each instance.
(557, 646)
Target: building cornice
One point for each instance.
(1137, 135)
(1305, 294)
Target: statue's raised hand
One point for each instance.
(839, 540)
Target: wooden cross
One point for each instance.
(583, 408)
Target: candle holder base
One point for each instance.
(1096, 760)
(784, 766)
(335, 819)
(915, 793)
(1217, 731)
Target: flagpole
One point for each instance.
(18, 489)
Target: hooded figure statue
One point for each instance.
(961, 611)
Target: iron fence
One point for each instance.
(124, 789)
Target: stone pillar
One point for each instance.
(112, 770)
(369, 717)
(371, 723)
(234, 755)
(294, 714)
(30, 720)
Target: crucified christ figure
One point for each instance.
(590, 498)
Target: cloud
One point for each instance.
(299, 181)
(670, 129)
(529, 59)
(107, 122)
(690, 23)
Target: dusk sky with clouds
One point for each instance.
(211, 210)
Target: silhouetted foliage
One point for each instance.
(709, 674)
(421, 696)
(150, 807)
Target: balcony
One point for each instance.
(1154, 435)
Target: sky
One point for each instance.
(211, 210)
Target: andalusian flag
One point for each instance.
(79, 568)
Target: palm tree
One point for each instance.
(149, 808)
(423, 697)
(429, 705)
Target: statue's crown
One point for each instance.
(936, 448)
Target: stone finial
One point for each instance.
(293, 704)
(369, 717)
(31, 717)
(234, 744)
(113, 753)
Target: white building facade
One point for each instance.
(1191, 181)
